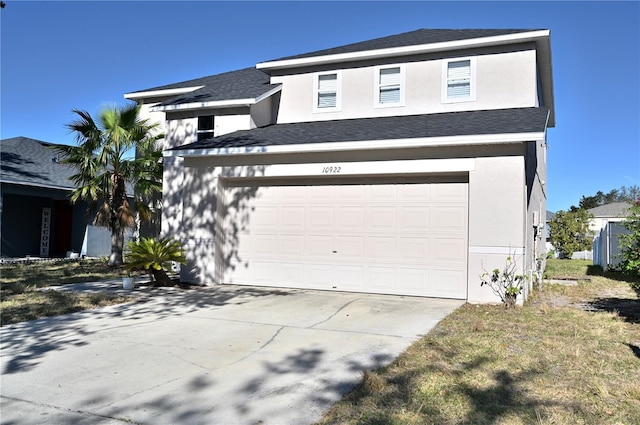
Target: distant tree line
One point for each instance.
(624, 194)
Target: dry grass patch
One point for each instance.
(33, 305)
(20, 299)
(41, 274)
(538, 364)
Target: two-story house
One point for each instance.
(402, 165)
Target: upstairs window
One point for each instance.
(458, 80)
(205, 127)
(327, 95)
(389, 86)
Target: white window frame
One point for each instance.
(316, 92)
(472, 80)
(209, 131)
(377, 86)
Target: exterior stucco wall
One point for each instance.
(181, 129)
(504, 80)
(496, 219)
(497, 205)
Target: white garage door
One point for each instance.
(408, 239)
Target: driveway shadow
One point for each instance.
(24, 344)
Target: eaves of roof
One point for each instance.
(235, 88)
(488, 126)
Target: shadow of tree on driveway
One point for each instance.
(24, 344)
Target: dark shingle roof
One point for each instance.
(412, 38)
(521, 120)
(247, 83)
(32, 162)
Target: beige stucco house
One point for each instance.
(401, 165)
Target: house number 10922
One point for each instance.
(331, 169)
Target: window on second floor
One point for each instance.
(389, 86)
(458, 82)
(326, 95)
(205, 127)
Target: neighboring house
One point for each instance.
(37, 218)
(548, 245)
(606, 227)
(402, 165)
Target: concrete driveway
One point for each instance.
(224, 355)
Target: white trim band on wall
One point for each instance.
(338, 169)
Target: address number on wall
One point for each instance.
(332, 169)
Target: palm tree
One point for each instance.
(104, 167)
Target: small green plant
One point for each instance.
(630, 243)
(505, 283)
(155, 257)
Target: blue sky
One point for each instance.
(57, 56)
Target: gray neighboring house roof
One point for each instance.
(248, 83)
(614, 209)
(32, 162)
(498, 121)
(412, 38)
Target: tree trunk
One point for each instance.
(117, 199)
(117, 245)
(161, 278)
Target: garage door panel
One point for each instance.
(291, 245)
(380, 279)
(348, 278)
(319, 246)
(449, 219)
(450, 192)
(263, 245)
(415, 218)
(448, 250)
(447, 283)
(265, 217)
(413, 249)
(320, 217)
(408, 239)
(318, 276)
(348, 218)
(351, 247)
(292, 217)
(382, 218)
(380, 247)
(414, 192)
(290, 273)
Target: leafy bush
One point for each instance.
(569, 231)
(505, 283)
(155, 257)
(630, 243)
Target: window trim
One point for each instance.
(377, 86)
(211, 131)
(316, 91)
(472, 80)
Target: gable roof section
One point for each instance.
(430, 41)
(412, 38)
(614, 209)
(489, 122)
(32, 162)
(245, 85)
